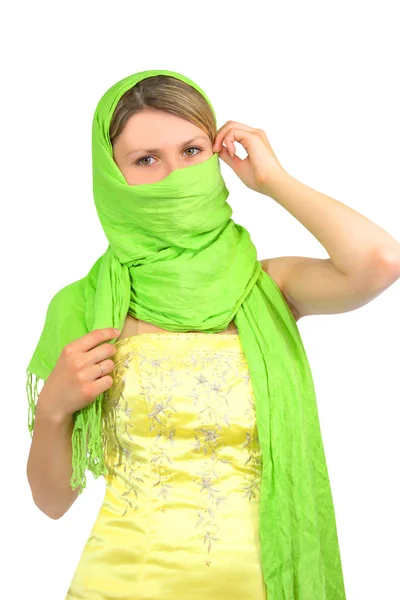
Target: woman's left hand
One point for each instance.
(260, 169)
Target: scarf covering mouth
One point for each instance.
(176, 258)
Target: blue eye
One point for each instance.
(140, 164)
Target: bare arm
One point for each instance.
(73, 383)
(49, 466)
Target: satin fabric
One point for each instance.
(180, 516)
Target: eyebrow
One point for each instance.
(151, 150)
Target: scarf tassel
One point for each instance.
(90, 442)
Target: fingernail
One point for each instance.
(116, 330)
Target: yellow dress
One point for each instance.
(180, 516)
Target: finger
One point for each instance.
(93, 338)
(99, 353)
(228, 125)
(233, 134)
(232, 161)
(245, 137)
(100, 385)
(93, 372)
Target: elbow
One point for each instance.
(49, 511)
(46, 507)
(379, 272)
(388, 264)
(55, 517)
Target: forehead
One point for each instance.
(159, 128)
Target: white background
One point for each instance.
(321, 79)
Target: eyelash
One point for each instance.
(150, 156)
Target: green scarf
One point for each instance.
(176, 259)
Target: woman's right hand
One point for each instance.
(76, 379)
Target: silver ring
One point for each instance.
(102, 370)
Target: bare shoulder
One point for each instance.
(277, 269)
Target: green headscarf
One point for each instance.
(176, 259)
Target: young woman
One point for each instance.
(216, 479)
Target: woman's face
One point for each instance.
(153, 143)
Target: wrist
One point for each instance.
(275, 184)
(47, 411)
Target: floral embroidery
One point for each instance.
(204, 380)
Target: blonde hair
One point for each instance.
(166, 93)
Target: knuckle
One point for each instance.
(67, 350)
(87, 391)
(76, 363)
(80, 376)
(96, 335)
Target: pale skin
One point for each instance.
(364, 260)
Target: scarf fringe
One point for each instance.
(32, 393)
(88, 437)
(113, 451)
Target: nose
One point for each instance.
(170, 164)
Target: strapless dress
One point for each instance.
(180, 516)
